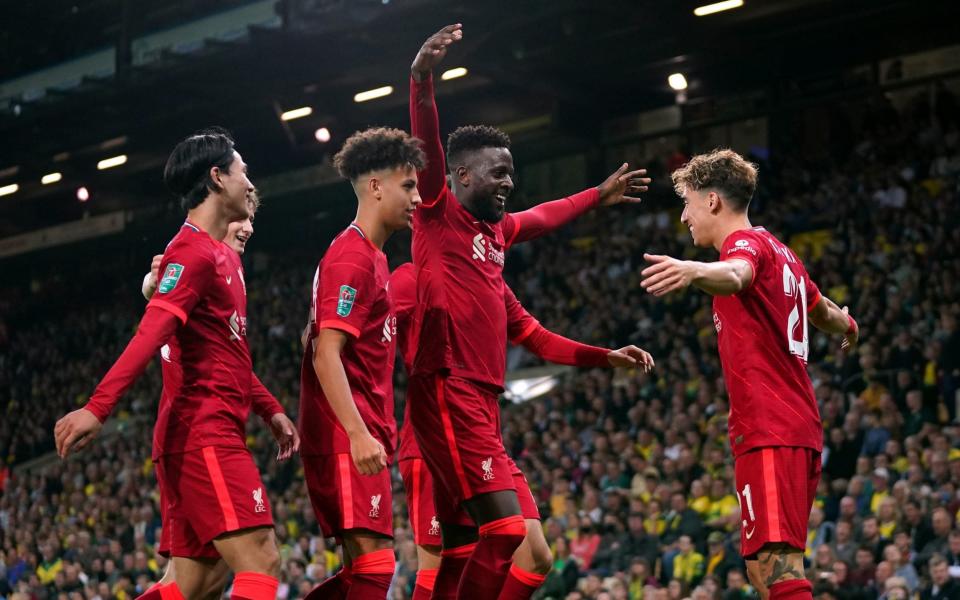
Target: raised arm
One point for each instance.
(149, 286)
(424, 122)
(620, 187)
(826, 316)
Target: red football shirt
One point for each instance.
(262, 401)
(460, 259)
(350, 294)
(201, 285)
(762, 335)
(403, 289)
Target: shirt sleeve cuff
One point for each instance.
(170, 308)
(340, 326)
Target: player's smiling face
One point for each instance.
(240, 232)
(697, 216)
(399, 197)
(491, 180)
(236, 187)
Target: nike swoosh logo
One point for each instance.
(751, 532)
(229, 279)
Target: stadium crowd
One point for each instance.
(632, 471)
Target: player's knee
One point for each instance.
(542, 558)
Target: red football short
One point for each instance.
(776, 487)
(209, 492)
(343, 499)
(424, 517)
(163, 547)
(457, 424)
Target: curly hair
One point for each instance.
(721, 170)
(378, 148)
(475, 137)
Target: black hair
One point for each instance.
(474, 137)
(378, 148)
(187, 173)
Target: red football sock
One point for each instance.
(792, 589)
(168, 591)
(254, 586)
(426, 579)
(372, 574)
(332, 588)
(520, 584)
(487, 568)
(452, 562)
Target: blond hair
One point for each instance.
(721, 170)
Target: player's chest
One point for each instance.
(226, 304)
(476, 247)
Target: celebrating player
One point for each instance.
(763, 298)
(532, 560)
(346, 382)
(460, 237)
(201, 301)
(264, 405)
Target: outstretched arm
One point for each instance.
(826, 316)
(720, 278)
(76, 429)
(620, 187)
(424, 122)
(526, 330)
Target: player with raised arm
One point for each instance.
(201, 302)
(346, 379)
(263, 404)
(763, 298)
(532, 560)
(459, 240)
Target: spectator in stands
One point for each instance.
(942, 586)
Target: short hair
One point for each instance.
(187, 172)
(378, 148)
(721, 170)
(470, 138)
(936, 560)
(253, 197)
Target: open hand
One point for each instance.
(623, 186)
(631, 356)
(666, 274)
(75, 430)
(285, 433)
(434, 50)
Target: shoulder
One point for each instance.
(190, 246)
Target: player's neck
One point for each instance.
(207, 217)
(372, 227)
(735, 222)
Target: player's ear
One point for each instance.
(216, 176)
(375, 187)
(463, 175)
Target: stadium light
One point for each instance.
(296, 113)
(113, 161)
(322, 135)
(51, 178)
(677, 81)
(709, 9)
(453, 73)
(83, 194)
(379, 92)
(9, 189)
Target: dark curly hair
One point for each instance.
(474, 137)
(378, 148)
(187, 172)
